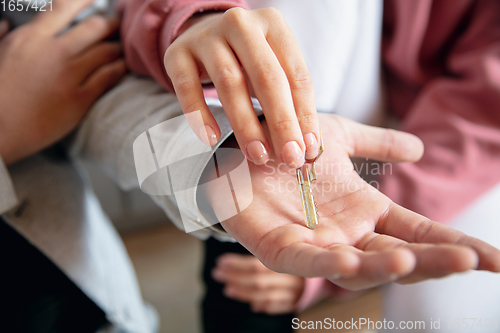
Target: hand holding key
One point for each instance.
(364, 239)
(49, 79)
(247, 53)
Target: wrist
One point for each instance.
(194, 19)
(14, 143)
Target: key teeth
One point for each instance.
(316, 211)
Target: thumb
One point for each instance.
(382, 144)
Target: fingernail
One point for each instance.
(312, 147)
(292, 155)
(207, 135)
(257, 152)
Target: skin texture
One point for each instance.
(363, 238)
(237, 50)
(48, 80)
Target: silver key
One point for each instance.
(305, 176)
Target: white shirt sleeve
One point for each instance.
(134, 107)
(8, 198)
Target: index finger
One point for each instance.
(62, 14)
(271, 87)
(303, 259)
(414, 228)
(89, 32)
(287, 50)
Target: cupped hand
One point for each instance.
(363, 238)
(50, 77)
(238, 50)
(247, 280)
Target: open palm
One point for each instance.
(363, 238)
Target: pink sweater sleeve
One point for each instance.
(446, 87)
(316, 290)
(445, 63)
(150, 26)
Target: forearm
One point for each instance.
(13, 143)
(150, 26)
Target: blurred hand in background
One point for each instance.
(49, 79)
(247, 280)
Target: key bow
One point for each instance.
(309, 205)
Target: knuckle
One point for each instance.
(389, 143)
(301, 79)
(274, 298)
(234, 15)
(168, 57)
(267, 77)
(203, 35)
(236, 18)
(307, 120)
(283, 125)
(259, 283)
(273, 13)
(183, 84)
(173, 55)
(422, 229)
(229, 77)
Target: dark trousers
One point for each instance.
(37, 296)
(221, 314)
